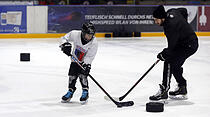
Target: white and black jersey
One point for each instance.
(84, 53)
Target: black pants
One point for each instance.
(173, 65)
(74, 73)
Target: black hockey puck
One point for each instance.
(24, 56)
(154, 107)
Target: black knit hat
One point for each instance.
(159, 12)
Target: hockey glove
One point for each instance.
(163, 55)
(87, 68)
(160, 56)
(66, 48)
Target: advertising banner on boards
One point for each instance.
(204, 18)
(13, 19)
(107, 18)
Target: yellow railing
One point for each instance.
(49, 35)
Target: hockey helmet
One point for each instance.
(88, 28)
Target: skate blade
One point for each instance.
(179, 97)
(65, 101)
(164, 101)
(83, 102)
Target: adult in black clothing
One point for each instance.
(182, 43)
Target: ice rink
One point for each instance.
(35, 88)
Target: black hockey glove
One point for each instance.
(160, 56)
(163, 55)
(87, 68)
(66, 48)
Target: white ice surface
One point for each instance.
(35, 88)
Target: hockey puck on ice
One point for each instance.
(154, 107)
(24, 56)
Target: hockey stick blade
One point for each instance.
(108, 99)
(125, 104)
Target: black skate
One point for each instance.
(180, 93)
(85, 96)
(161, 96)
(67, 97)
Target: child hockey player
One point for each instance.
(84, 49)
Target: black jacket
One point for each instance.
(178, 31)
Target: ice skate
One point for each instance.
(161, 96)
(180, 93)
(67, 97)
(84, 97)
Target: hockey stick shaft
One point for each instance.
(122, 97)
(119, 104)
